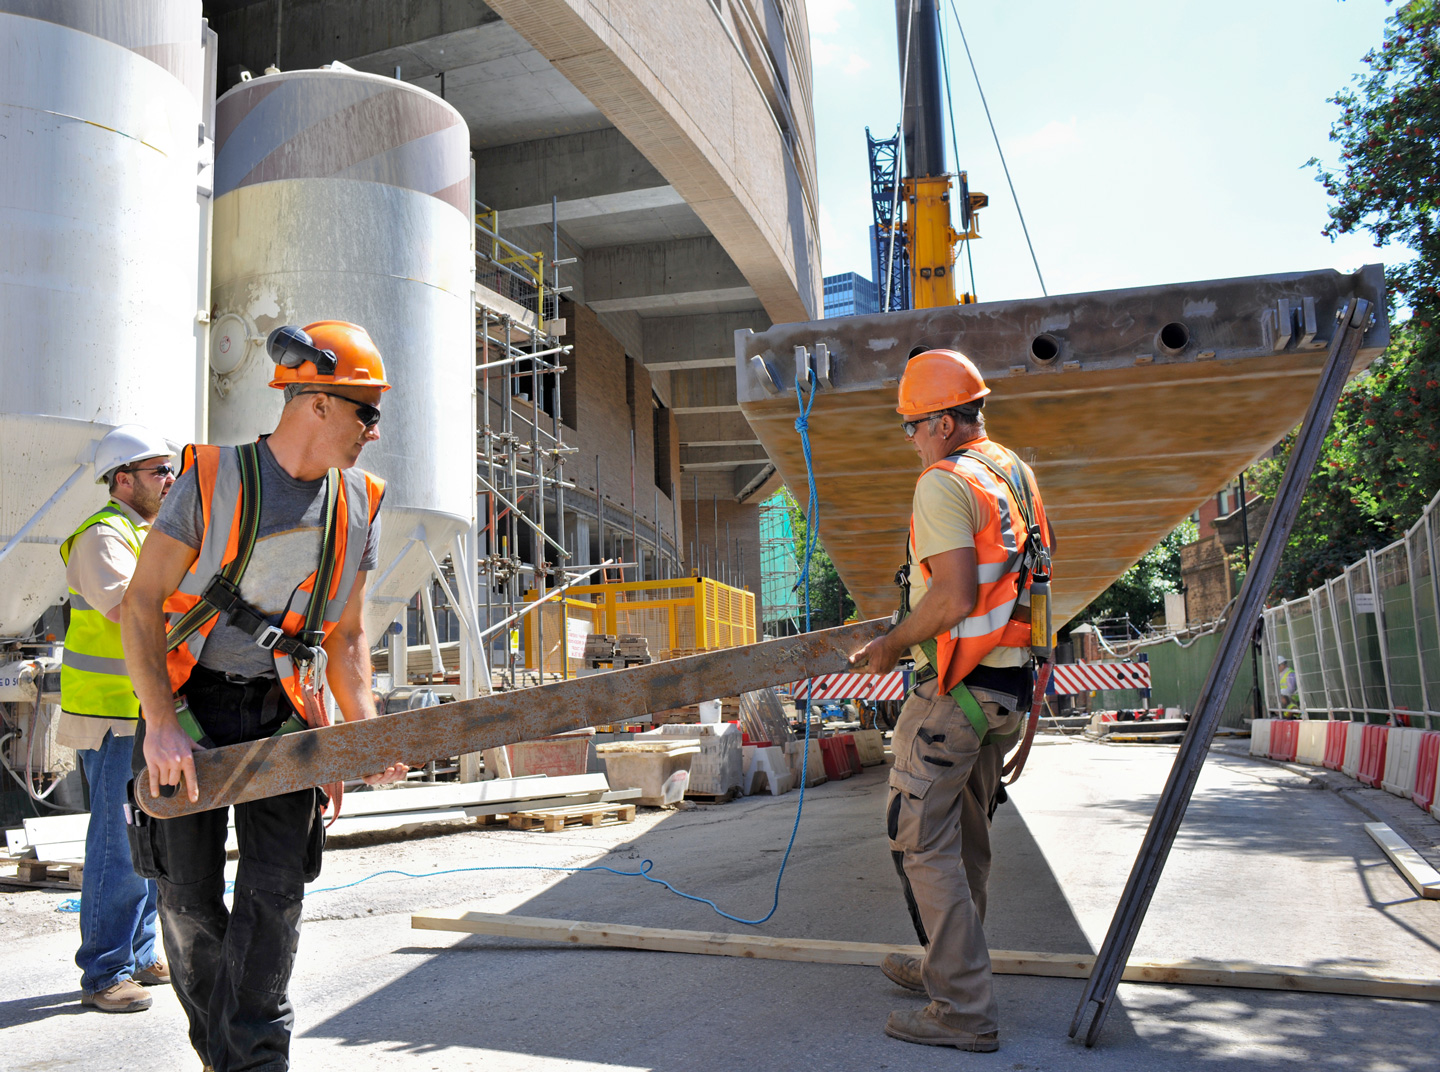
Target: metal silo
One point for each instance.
(346, 196)
(103, 204)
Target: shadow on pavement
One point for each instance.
(675, 1011)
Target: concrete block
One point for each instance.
(647, 766)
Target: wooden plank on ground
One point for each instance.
(1240, 974)
(1407, 861)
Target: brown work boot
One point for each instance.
(157, 974)
(903, 969)
(124, 996)
(926, 1027)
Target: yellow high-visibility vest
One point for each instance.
(93, 680)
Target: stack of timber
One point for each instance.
(1150, 731)
(402, 808)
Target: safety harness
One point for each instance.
(1034, 571)
(222, 594)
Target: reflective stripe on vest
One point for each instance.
(217, 471)
(1000, 546)
(93, 680)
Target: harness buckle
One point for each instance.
(268, 637)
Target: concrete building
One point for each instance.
(672, 146)
(850, 294)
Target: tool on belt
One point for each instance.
(222, 596)
(1034, 568)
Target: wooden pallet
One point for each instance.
(553, 820)
(47, 873)
(713, 798)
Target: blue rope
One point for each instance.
(812, 514)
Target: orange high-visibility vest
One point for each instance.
(1000, 547)
(218, 472)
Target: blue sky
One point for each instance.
(1150, 141)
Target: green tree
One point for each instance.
(830, 602)
(1380, 464)
(1140, 590)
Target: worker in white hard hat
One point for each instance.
(118, 957)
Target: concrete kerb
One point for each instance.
(1418, 827)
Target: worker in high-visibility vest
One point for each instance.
(117, 956)
(266, 595)
(978, 533)
(1289, 691)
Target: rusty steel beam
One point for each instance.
(1133, 406)
(240, 772)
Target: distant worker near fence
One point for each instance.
(260, 557)
(1289, 691)
(978, 535)
(98, 715)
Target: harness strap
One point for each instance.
(961, 694)
(230, 574)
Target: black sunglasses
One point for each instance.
(909, 427)
(369, 415)
(160, 471)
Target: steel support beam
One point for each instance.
(1353, 321)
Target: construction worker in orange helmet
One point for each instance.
(977, 534)
(246, 605)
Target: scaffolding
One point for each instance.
(779, 570)
(523, 542)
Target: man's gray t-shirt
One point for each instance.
(287, 551)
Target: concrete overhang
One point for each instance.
(689, 274)
(1133, 407)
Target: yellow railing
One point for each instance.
(677, 616)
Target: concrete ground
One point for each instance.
(1270, 867)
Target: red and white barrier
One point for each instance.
(1335, 736)
(1310, 749)
(889, 686)
(1284, 737)
(1067, 679)
(1399, 759)
(1427, 772)
(1260, 736)
(1354, 735)
(1372, 755)
(1402, 757)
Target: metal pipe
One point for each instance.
(25, 529)
(537, 474)
(599, 517)
(515, 509)
(528, 607)
(675, 526)
(1100, 988)
(427, 604)
(488, 439)
(512, 548)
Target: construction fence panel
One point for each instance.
(1427, 624)
(1365, 645)
(1396, 611)
(1335, 696)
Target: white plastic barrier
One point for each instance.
(1311, 747)
(1402, 754)
(1260, 737)
(1351, 767)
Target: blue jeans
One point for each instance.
(117, 906)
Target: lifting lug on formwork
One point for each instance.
(765, 374)
(819, 364)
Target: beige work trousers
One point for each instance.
(941, 789)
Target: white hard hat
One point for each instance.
(124, 445)
(1282, 659)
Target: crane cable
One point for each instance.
(899, 156)
(956, 12)
(955, 142)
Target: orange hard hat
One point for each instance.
(938, 380)
(327, 351)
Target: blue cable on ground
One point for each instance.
(802, 425)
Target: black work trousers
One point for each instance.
(231, 967)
